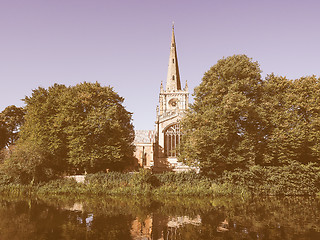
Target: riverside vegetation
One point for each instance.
(295, 180)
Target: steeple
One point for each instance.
(173, 77)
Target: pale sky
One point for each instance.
(126, 43)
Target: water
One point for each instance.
(171, 218)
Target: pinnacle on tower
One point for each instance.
(161, 88)
(186, 88)
(173, 77)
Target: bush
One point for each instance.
(108, 179)
(179, 178)
(60, 187)
(141, 178)
(5, 179)
(28, 164)
(293, 179)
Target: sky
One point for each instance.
(126, 43)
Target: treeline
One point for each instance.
(241, 130)
(239, 120)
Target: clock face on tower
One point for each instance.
(173, 102)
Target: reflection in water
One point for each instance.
(176, 222)
(116, 218)
(141, 229)
(223, 227)
(147, 229)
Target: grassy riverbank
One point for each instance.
(114, 183)
(290, 180)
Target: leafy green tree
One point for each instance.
(221, 130)
(83, 127)
(100, 135)
(28, 163)
(4, 136)
(290, 112)
(276, 117)
(238, 120)
(12, 118)
(306, 92)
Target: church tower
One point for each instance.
(173, 102)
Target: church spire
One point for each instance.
(173, 77)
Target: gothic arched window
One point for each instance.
(172, 140)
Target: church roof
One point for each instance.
(144, 136)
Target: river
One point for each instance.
(163, 218)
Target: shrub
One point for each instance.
(60, 187)
(28, 164)
(293, 179)
(178, 178)
(111, 178)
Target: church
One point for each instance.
(157, 149)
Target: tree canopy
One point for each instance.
(290, 112)
(239, 120)
(4, 135)
(83, 127)
(11, 119)
(220, 130)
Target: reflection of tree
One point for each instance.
(272, 217)
(29, 220)
(123, 218)
(106, 227)
(14, 223)
(23, 220)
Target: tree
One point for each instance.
(4, 136)
(82, 127)
(238, 120)
(306, 95)
(12, 118)
(276, 117)
(221, 130)
(28, 163)
(291, 113)
(100, 135)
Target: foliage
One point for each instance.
(65, 186)
(239, 120)
(11, 119)
(2, 155)
(4, 134)
(84, 127)
(111, 177)
(5, 179)
(290, 115)
(28, 164)
(220, 130)
(179, 178)
(293, 179)
(109, 180)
